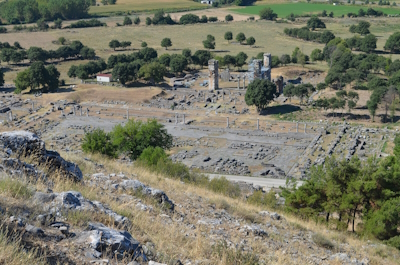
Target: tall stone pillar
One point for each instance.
(258, 124)
(33, 106)
(73, 109)
(127, 114)
(267, 60)
(80, 109)
(297, 127)
(176, 118)
(238, 82)
(87, 112)
(183, 119)
(213, 74)
(244, 82)
(227, 122)
(10, 116)
(257, 69)
(305, 127)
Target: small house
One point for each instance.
(104, 78)
(207, 2)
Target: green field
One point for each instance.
(146, 5)
(284, 10)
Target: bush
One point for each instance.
(394, 242)
(189, 19)
(228, 18)
(263, 199)
(212, 19)
(151, 155)
(322, 241)
(98, 141)
(136, 136)
(224, 186)
(87, 24)
(3, 30)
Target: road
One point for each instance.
(263, 182)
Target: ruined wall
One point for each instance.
(213, 74)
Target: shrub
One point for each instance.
(87, 24)
(263, 199)
(151, 155)
(98, 141)
(189, 19)
(212, 19)
(3, 30)
(322, 241)
(394, 242)
(224, 186)
(228, 18)
(136, 136)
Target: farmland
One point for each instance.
(148, 5)
(284, 10)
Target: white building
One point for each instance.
(104, 78)
(207, 2)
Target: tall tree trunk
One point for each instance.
(354, 218)
(340, 217)
(327, 217)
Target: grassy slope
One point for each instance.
(147, 5)
(303, 8)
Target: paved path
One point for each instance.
(263, 182)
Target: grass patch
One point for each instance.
(284, 10)
(15, 188)
(82, 218)
(322, 241)
(232, 256)
(11, 252)
(384, 147)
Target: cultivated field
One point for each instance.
(303, 8)
(148, 5)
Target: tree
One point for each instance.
(285, 59)
(6, 54)
(61, 40)
(72, 71)
(100, 142)
(1, 78)
(314, 22)
(125, 44)
(240, 37)
(251, 41)
(42, 25)
(148, 21)
(260, 93)
(136, 21)
(208, 44)
(229, 60)
(317, 55)
(368, 44)
(327, 36)
(166, 42)
(148, 54)
(52, 78)
(154, 72)
(127, 21)
(36, 54)
(268, 14)
(393, 42)
(187, 53)
(114, 44)
(189, 19)
(203, 19)
(144, 44)
(37, 75)
(228, 36)
(240, 59)
(275, 61)
(288, 91)
(228, 18)
(201, 57)
(87, 53)
(58, 23)
(178, 63)
(135, 136)
(22, 81)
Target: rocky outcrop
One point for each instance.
(17, 144)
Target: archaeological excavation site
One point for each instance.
(177, 132)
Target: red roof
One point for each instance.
(105, 75)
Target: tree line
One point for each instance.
(17, 54)
(28, 11)
(355, 191)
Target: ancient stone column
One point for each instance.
(213, 74)
(257, 69)
(227, 122)
(238, 82)
(258, 124)
(297, 127)
(244, 82)
(267, 60)
(305, 127)
(183, 119)
(87, 112)
(33, 105)
(80, 108)
(73, 110)
(223, 97)
(176, 118)
(127, 114)
(10, 116)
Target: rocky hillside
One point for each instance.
(78, 209)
